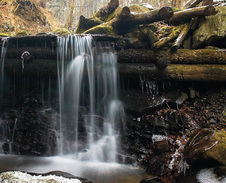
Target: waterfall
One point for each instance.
(90, 111)
(2, 63)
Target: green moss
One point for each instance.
(62, 32)
(137, 8)
(4, 35)
(22, 33)
(218, 152)
(175, 9)
(113, 14)
(105, 28)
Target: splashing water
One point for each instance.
(90, 111)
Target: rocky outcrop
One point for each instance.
(212, 30)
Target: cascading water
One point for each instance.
(2, 63)
(90, 112)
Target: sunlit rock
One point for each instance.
(211, 29)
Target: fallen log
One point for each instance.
(176, 45)
(181, 56)
(125, 21)
(184, 16)
(87, 23)
(192, 3)
(178, 72)
(163, 41)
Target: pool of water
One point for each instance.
(97, 172)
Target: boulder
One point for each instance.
(17, 176)
(206, 146)
(211, 29)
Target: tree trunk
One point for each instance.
(200, 73)
(69, 21)
(192, 3)
(126, 20)
(181, 56)
(186, 15)
(176, 45)
(181, 72)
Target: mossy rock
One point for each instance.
(22, 33)
(218, 152)
(138, 8)
(206, 146)
(212, 29)
(62, 32)
(104, 28)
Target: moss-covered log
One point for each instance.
(87, 23)
(123, 23)
(181, 56)
(178, 42)
(200, 73)
(183, 16)
(183, 72)
(125, 20)
(173, 35)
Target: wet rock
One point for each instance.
(162, 146)
(206, 146)
(27, 57)
(176, 98)
(33, 130)
(152, 180)
(6, 148)
(192, 93)
(211, 29)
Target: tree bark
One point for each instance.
(186, 15)
(69, 21)
(87, 23)
(192, 3)
(202, 73)
(126, 20)
(176, 45)
(198, 73)
(181, 56)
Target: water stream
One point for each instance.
(90, 114)
(90, 111)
